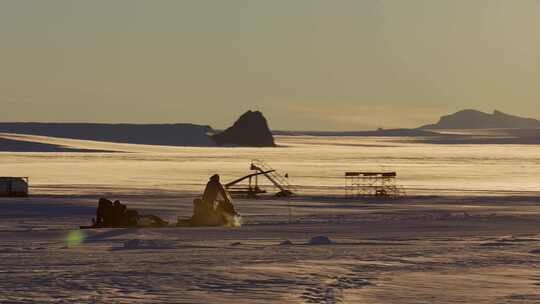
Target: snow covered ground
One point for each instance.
(416, 250)
(481, 245)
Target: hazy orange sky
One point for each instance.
(324, 65)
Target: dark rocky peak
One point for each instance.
(250, 130)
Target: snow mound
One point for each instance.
(320, 240)
(146, 244)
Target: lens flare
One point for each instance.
(75, 237)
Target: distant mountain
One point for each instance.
(473, 119)
(11, 145)
(250, 130)
(148, 134)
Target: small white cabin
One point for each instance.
(13, 186)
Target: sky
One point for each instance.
(306, 64)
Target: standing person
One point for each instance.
(104, 212)
(224, 209)
(214, 189)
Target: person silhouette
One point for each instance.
(214, 189)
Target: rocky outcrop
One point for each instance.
(250, 130)
(473, 119)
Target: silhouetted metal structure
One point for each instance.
(14, 186)
(252, 189)
(381, 184)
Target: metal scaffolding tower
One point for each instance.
(381, 184)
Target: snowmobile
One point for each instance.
(215, 208)
(218, 213)
(116, 215)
